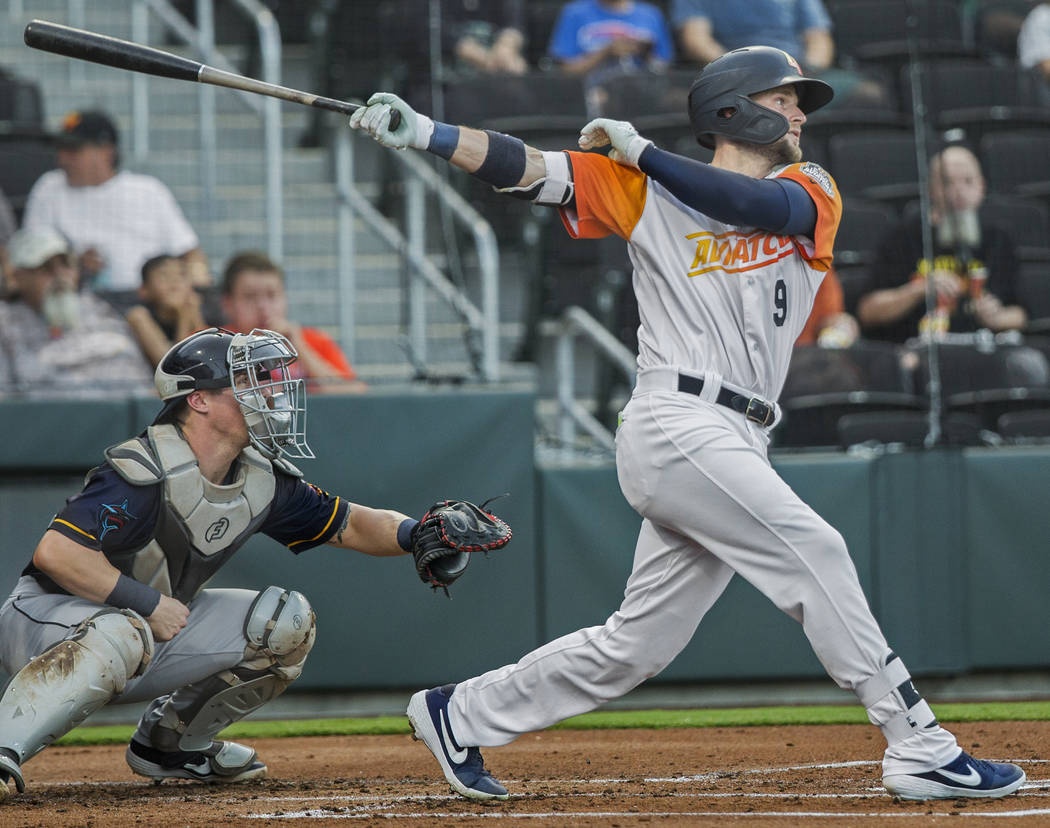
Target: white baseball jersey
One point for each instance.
(711, 296)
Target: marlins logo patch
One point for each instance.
(819, 176)
(111, 518)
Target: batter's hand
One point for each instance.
(627, 144)
(168, 618)
(413, 131)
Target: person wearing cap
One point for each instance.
(56, 340)
(115, 219)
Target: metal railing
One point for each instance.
(576, 322)
(483, 323)
(202, 38)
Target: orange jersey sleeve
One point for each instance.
(610, 197)
(828, 301)
(329, 351)
(825, 194)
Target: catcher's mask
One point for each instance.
(255, 367)
(720, 103)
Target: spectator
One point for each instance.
(1033, 47)
(484, 37)
(829, 325)
(56, 340)
(600, 37)
(974, 266)
(708, 29)
(170, 310)
(115, 219)
(253, 296)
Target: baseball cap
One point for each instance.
(86, 127)
(31, 248)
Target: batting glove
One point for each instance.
(627, 144)
(413, 131)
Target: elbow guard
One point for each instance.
(553, 190)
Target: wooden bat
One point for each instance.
(123, 54)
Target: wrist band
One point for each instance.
(505, 161)
(404, 533)
(134, 595)
(443, 140)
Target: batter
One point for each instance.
(727, 260)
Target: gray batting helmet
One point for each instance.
(719, 102)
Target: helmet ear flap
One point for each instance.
(742, 119)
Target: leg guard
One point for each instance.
(280, 629)
(64, 685)
(893, 703)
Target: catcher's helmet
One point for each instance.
(719, 102)
(255, 367)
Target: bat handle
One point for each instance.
(349, 108)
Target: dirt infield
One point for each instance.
(787, 776)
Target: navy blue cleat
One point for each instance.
(962, 778)
(463, 766)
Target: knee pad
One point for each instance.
(62, 686)
(280, 628)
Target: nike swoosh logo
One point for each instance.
(458, 757)
(970, 778)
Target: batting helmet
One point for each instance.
(719, 102)
(255, 366)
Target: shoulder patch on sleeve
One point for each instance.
(819, 176)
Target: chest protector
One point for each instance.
(201, 524)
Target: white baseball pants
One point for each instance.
(712, 505)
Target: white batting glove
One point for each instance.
(627, 144)
(374, 119)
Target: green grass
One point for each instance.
(731, 717)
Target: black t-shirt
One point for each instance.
(111, 515)
(899, 255)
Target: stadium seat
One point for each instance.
(987, 381)
(1017, 162)
(862, 227)
(976, 96)
(878, 165)
(824, 385)
(631, 95)
(1021, 425)
(21, 104)
(878, 30)
(544, 97)
(1028, 222)
(24, 157)
(1034, 295)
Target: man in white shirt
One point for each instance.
(115, 219)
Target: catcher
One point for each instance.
(111, 606)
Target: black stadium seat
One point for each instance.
(987, 381)
(879, 165)
(24, 157)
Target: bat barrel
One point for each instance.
(109, 51)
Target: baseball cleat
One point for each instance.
(463, 766)
(962, 778)
(9, 770)
(222, 762)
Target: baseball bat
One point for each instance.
(123, 54)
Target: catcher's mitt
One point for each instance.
(446, 535)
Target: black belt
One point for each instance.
(755, 409)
